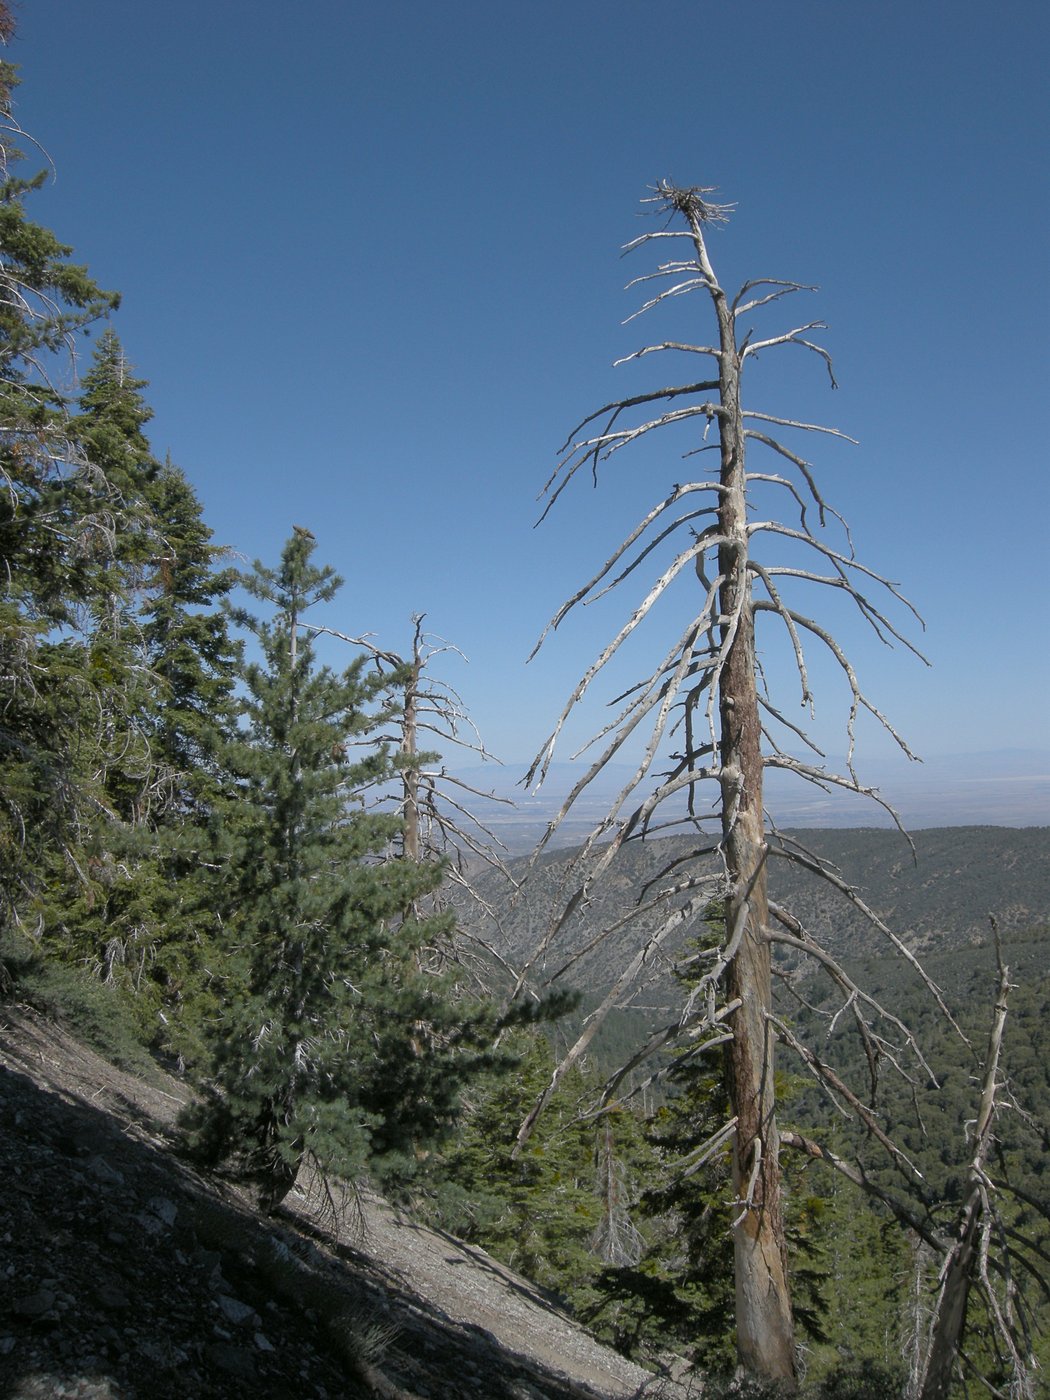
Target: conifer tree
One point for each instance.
(189, 661)
(539, 1211)
(331, 1043)
(136, 912)
(164, 620)
(192, 658)
(57, 520)
(109, 433)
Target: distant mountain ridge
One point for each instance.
(1007, 787)
(940, 899)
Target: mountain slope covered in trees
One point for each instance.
(939, 899)
(220, 852)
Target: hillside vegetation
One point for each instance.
(850, 1245)
(938, 900)
(228, 853)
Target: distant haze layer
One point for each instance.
(1010, 787)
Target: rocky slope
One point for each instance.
(124, 1275)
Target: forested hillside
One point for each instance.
(861, 1279)
(228, 845)
(936, 899)
(202, 826)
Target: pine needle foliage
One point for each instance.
(56, 528)
(331, 1043)
(129, 906)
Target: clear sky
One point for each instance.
(370, 263)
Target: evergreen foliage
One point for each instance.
(57, 521)
(133, 911)
(330, 1042)
(931, 1122)
(539, 1212)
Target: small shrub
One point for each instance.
(370, 1337)
(86, 1007)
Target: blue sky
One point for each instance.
(370, 265)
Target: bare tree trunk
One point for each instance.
(765, 1330)
(410, 749)
(959, 1269)
(703, 695)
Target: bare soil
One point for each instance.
(126, 1275)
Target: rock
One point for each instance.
(233, 1360)
(35, 1305)
(155, 1354)
(234, 1310)
(102, 1171)
(111, 1298)
(149, 1222)
(166, 1211)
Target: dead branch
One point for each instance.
(645, 955)
(853, 1172)
(967, 1259)
(855, 995)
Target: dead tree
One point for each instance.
(437, 808)
(704, 715)
(975, 1251)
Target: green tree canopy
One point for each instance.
(57, 524)
(331, 1041)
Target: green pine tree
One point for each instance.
(165, 623)
(538, 1211)
(137, 914)
(331, 1043)
(57, 519)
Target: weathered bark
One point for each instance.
(765, 1330)
(958, 1271)
(410, 750)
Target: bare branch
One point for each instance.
(822, 778)
(783, 289)
(860, 699)
(795, 729)
(619, 406)
(668, 345)
(824, 872)
(792, 630)
(803, 466)
(542, 762)
(794, 337)
(796, 423)
(841, 562)
(389, 658)
(691, 284)
(644, 956)
(599, 449)
(827, 1076)
(799, 939)
(852, 1172)
(967, 1259)
(675, 495)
